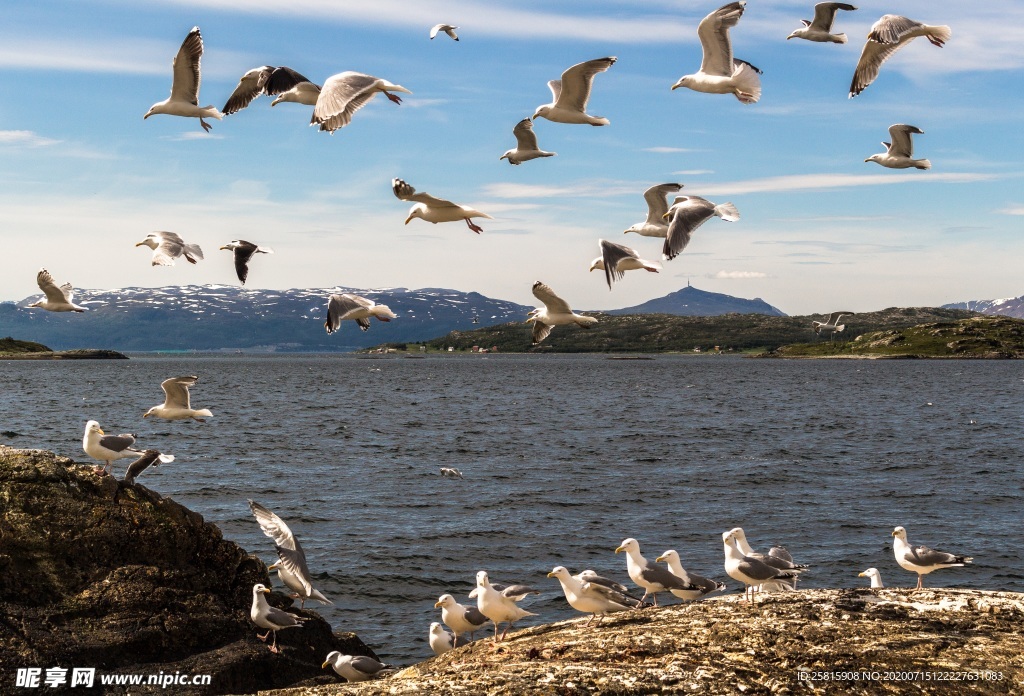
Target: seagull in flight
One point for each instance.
(571, 94)
(433, 209)
(346, 93)
(720, 72)
(184, 99)
(899, 154)
(820, 28)
(888, 35)
(284, 83)
(446, 28)
(57, 299)
(555, 312)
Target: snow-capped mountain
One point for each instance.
(1008, 307)
(224, 317)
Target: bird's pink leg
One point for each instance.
(475, 228)
(393, 97)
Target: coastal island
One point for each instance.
(12, 349)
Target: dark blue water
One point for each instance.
(564, 457)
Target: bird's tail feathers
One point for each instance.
(315, 594)
(923, 164)
(383, 312)
(264, 250)
(839, 38)
(586, 322)
(747, 82)
(728, 212)
(204, 412)
(194, 250)
(939, 35)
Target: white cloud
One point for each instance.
(738, 275)
(592, 189)
(661, 149)
(808, 182)
(1013, 209)
(694, 172)
(24, 138)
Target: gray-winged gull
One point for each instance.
(354, 668)
(242, 251)
(752, 572)
(921, 559)
(591, 597)
(831, 323)
(571, 94)
(441, 641)
(700, 585)
(433, 209)
(820, 28)
(168, 246)
(346, 93)
(282, 82)
(888, 35)
(686, 214)
(293, 570)
(499, 605)
(270, 618)
(652, 578)
(616, 259)
(657, 206)
(876, 578)
(555, 312)
(460, 618)
(110, 448)
(149, 458)
(899, 154)
(448, 29)
(720, 72)
(177, 403)
(57, 299)
(526, 147)
(357, 308)
(184, 99)
(781, 559)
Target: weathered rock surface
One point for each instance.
(97, 574)
(930, 642)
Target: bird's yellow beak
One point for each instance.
(665, 216)
(275, 566)
(621, 548)
(659, 559)
(141, 244)
(437, 604)
(894, 533)
(146, 414)
(408, 219)
(100, 431)
(326, 662)
(223, 248)
(265, 591)
(862, 575)
(551, 575)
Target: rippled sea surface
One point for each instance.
(564, 457)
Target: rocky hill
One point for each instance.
(691, 302)
(859, 641)
(1007, 307)
(11, 349)
(651, 333)
(979, 337)
(94, 573)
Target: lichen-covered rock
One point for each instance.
(94, 573)
(860, 641)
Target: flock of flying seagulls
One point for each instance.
(343, 94)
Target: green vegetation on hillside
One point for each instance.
(12, 346)
(657, 333)
(978, 337)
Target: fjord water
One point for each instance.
(564, 457)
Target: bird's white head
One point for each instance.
(151, 240)
(684, 81)
(416, 212)
(560, 572)
(597, 264)
(669, 555)
(232, 245)
(435, 627)
(797, 32)
(258, 589)
(628, 545)
(738, 533)
(869, 573)
(93, 427)
(874, 158)
(482, 579)
(900, 533)
(542, 111)
(331, 658)
(445, 600)
(149, 413)
(727, 537)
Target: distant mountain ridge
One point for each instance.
(692, 302)
(1008, 307)
(227, 317)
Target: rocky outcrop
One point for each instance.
(859, 641)
(97, 574)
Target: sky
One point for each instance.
(83, 177)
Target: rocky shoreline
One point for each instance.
(858, 641)
(76, 354)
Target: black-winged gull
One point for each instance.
(184, 99)
(921, 559)
(720, 72)
(242, 252)
(820, 28)
(282, 82)
(876, 578)
(110, 448)
(498, 602)
(293, 570)
(57, 299)
(591, 597)
(354, 668)
(346, 93)
(460, 618)
(652, 578)
(555, 312)
(657, 206)
(177, 404)
(357, 308)
(571, 94)
(526, 147)
(616, 259)
(888, 35)
(752, 572)
(686, 214)
(168, 246)
(270, 618)
(441, 641)
(149, 458)
(899, 154)
(448, 29)
(433, 209)
(700, 585)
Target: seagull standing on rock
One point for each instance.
(270, 618)
(110, 448)
(921, 559)
(652, 578)
(441, 641)
(354, 668)
(876, 578)
(499, 605)
(591, 597)
(460, 618)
